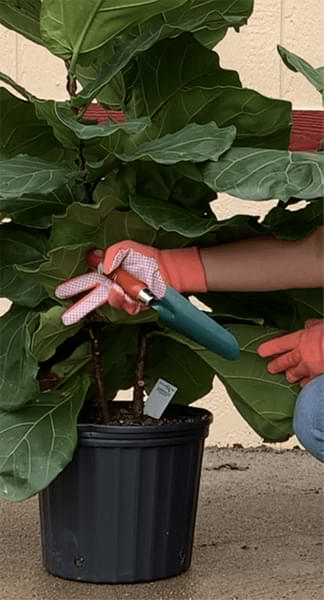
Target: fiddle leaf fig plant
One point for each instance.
(188, 129)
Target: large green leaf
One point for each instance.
(231, 308)
(109, 71)
(207, 19)
(180, 366)
(194, 143)
(168, 182)
(119, 353)
(121, 225)
(87, 131)
(103, 136)
(63, 263)
(115, 94)
(194, 88)
(79, 224)
(273, 309)
(18, 366)
(100, 224)
(265, 401)
(36, 210)
(170, 217)
(38, 441)
(100, 142)
(299, 65)
(259, 121)
(195, 16)
(23, 175)
(256, 174)
(51, 333)
(22, 16)
(71, 29)
(20, 246)
(23, 133)
(75, 362)
(172, 65)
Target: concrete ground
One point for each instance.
(258, 537)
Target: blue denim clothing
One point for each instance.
(309, 417)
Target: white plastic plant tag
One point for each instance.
(159, 398)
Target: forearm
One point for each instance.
(265, 264)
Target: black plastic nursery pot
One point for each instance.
(124, 510)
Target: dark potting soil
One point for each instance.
(121, 413)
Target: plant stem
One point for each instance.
(138, 396)
(71, 86)
(102, 406)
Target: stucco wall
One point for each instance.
(296, 24)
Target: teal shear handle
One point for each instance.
(179, 314)
(182, 316)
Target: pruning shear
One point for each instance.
(176, 312)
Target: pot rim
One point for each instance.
(201, 420)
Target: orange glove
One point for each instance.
(181, 269)
(300, 354)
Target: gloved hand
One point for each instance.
(180, 268)
(300, 354)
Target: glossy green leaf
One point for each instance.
(194, 16)
(38, 441)
(22, 16)
(77, 361)
(109, 71)
(23, 133)
(26, 247)
(69, 130)
(98, 224)
(230, 308)
(86, 131)
(256, 174)
(36, 210)
(161, 76)
(273, 309)
(180, 366)
(194, 88)
(51, 333)
(121, 225)
(194, 143)
(18, 366)
(170, 217)
(265, 401)
(259, 121)
(72, 29)
(25, 174)
(79, 223)
(119, 352)
(114, 95)
(99, 142)
(183, 187)
(299, 65)
(62, 263)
